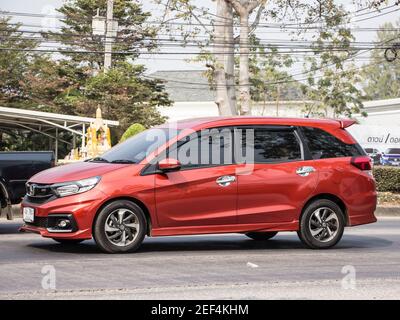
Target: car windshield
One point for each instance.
(137, 148)
(393, 151)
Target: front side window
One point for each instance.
(209, 147)
(271, 145)
(323, 145)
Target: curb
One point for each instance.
(387, 211)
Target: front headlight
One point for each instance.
(75, 187)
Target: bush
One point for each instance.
(387, 179)
(133, 130)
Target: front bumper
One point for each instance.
(80, 210)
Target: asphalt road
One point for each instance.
(366, 265)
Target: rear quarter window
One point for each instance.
(323, 145)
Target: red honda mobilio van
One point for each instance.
(251, 175)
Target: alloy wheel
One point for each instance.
(324, 224)
(122, 227)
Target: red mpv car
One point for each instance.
(252, 175)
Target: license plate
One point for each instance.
(28, 214)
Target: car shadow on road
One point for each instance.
(217, 243)
(9, 227)
(286, 241)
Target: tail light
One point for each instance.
(363, 163)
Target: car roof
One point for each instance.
(246, 120)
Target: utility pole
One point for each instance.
(109, 36)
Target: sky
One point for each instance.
(172, 62)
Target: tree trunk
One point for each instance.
(244, 77)
(223, 99)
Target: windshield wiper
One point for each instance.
(98, 159)
(123, 161)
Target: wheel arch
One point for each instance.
(133, 200)
(331, 197)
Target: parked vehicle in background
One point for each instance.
(303, 175)
(15, 170)
(391, 157)
(374, 154)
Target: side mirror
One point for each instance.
(169, 164)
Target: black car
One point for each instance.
(374, 154)
(16, 168)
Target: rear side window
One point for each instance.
(273, 145)
(323, 145)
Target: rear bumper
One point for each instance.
(362, 219)
(362, 211)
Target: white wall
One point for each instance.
(186, 110)
(376, 136)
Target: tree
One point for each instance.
(15, 60)
(266, 68)
(332, 82)
(133, 130)
(124, 93)
(381, 79)
(133, 33)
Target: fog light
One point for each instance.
(63, 223)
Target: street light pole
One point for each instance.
(109, 34)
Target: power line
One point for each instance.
(265, 25)
(265, 83)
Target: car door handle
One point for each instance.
(225, 181)
(305, 171)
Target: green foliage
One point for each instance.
(75, 83)
(123, 95)
(381, 78)
(333, 82)
(133, 130)
(133, 34)
(387, 178)
(14, 64)
(267, 67)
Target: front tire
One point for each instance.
(321, 225)
(261, 236)
(120, 227)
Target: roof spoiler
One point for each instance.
(345, 123)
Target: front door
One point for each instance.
(204, 191)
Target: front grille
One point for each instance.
(38, 190)
(39, 193)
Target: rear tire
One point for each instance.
(322, 224)
(120, 227)
(68, 241)
(261, 236)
